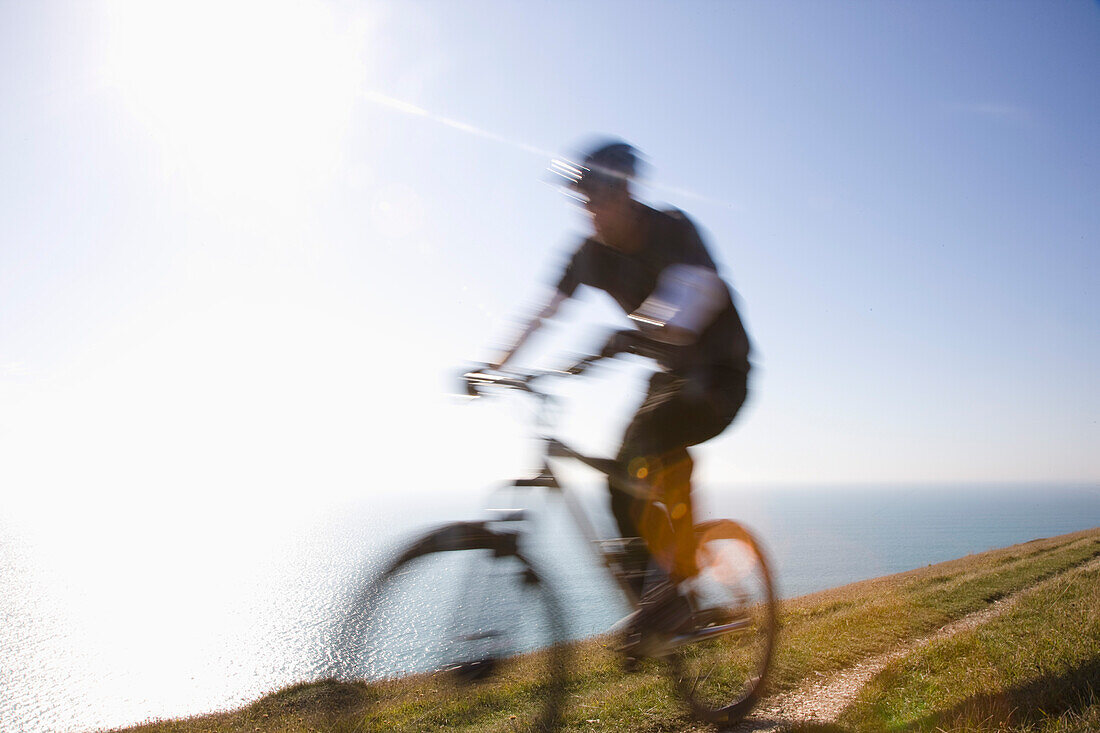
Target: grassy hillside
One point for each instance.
(1033, 668)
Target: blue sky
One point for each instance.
(246, 246)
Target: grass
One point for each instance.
(1033, 669)
(834, 629)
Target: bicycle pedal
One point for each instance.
(713, 617)
(646, 642)
(646, 645)
(474, 671)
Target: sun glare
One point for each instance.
(249, 99)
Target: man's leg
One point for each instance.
(654, 453)
(668, 527)
(627, 509)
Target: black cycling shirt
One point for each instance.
(668, 238)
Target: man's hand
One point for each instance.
(631, 341)
(625, 341)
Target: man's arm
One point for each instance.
(686, 300)
(547, 311)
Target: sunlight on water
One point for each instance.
(122, 624)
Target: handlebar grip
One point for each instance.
(472, 379)
(581, 366)
(478, 378)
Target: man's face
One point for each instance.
(612, 216)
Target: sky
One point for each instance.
(247, 247)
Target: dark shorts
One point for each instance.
(681, 411)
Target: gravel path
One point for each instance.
(822, 700)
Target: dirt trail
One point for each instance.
(822, 700)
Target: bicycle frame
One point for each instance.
(546, 478)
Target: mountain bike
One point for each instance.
(468, 649)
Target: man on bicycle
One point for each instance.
(655, 266)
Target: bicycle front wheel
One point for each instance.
(460, 632)
(720, 667)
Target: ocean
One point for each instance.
(110, 625)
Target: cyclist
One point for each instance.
(655, 266)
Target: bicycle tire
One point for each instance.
(721, 677)
(444, 664)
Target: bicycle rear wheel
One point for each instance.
(447, 635)
(720, 667)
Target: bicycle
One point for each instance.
(718, 664)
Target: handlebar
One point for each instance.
(628, 340)
(478, 378)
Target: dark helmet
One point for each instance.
(609, 165)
